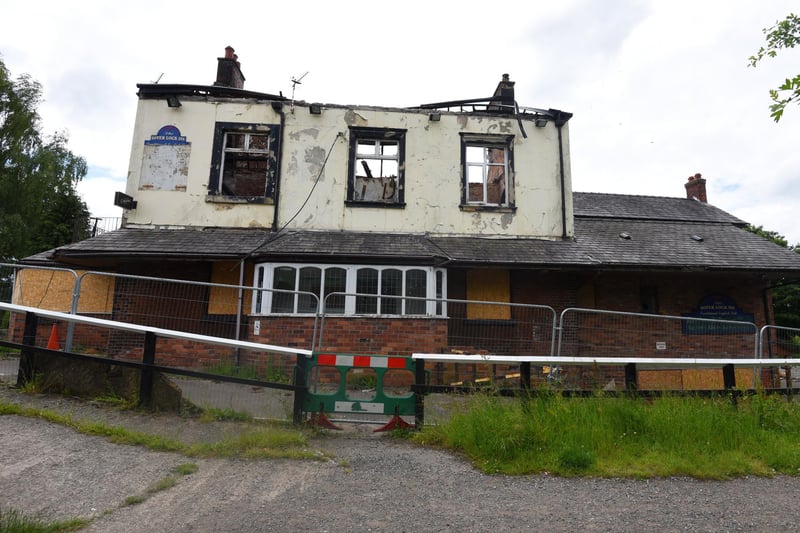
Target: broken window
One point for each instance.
(244, 163)
(488, 170)
(376, 166)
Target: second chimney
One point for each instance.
(696, 188)
(229, 72)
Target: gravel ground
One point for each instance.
(372, 483)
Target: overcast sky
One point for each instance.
(659, 89)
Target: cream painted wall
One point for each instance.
(432, 172)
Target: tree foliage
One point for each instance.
(785, 298)
(784, 34)
(39, 205)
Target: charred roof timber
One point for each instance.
(503, 102)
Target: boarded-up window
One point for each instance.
(53, 290)
(488, 286)
(224, 301)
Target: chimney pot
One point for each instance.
(229, 70)
(696, 188)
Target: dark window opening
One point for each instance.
(244, 161)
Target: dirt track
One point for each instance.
(374, 483)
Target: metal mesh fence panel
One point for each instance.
(780, 342)
(211, 309)
(40, 287)
(596, 333)
(265, 377)
(401, 326)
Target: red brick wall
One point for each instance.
(361, 335)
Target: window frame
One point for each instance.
(377, 135)
(272, 154)
(487, 142)
(435, 288)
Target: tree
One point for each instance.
(786, 297)
(784, 34)
(40, 207)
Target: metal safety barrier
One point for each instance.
(360, 385)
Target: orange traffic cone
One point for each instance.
(52, 343)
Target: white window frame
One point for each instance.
(436, 281)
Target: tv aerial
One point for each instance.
(295, 82)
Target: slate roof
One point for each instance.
(681, 245)
(341, 246)
(169, 243)
(612, 231)
(591, 204)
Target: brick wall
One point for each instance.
(360, 335)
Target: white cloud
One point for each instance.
(98, 193)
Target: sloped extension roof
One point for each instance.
(612, 231)
(342, 246)
(600, 243)
(166, 243)
(592, 204)
(679, 245)
(620, 230)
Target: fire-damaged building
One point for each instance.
(467, 200)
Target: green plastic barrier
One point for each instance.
(360, 384)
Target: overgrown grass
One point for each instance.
(212, 414)
(257, 443)
(13, 521)
(252, 442)
(623, 437)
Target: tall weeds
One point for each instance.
(604, 436)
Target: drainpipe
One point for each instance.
(278, 108)
(561, 118)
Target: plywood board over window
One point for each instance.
(488, 286)
(53, 289)
(222, 300)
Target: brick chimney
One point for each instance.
(503, 97)
(229, 71)
(696, 188)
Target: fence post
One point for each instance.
(419, 400)
(26, 366)
(525, 377)
(301, 387)
(729, 377)
(631, 383)
(146, 379)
